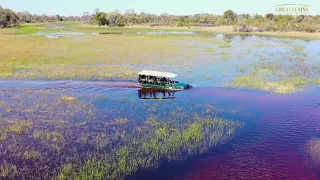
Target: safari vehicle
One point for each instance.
(162, 80)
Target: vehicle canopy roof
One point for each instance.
(157, 73)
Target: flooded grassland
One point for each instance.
(265, 63)
(56, 134)
(70, 107)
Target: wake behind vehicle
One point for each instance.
(162, 80)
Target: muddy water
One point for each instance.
(271, 146)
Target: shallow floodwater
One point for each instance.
(271, 145)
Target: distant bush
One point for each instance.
(244, 28)
(204, 25)
(180, 23)
(157, 24)
(260, 29)
(8, 18)
(223, 22)
(311, 29)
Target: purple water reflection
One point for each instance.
(272, 145)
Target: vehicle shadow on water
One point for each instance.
(156, 94)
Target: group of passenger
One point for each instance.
(155, 80)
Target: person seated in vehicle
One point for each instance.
(163, 80)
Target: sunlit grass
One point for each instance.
(68, 98)
(97, 57)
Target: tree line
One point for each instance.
(241, 22)
(8, 18)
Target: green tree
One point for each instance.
(100, 18)
(269, 16)
(8, 18)
(120, 21)
(59, 18)
(229, 16)
(284, 20)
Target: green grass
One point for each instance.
(39, 58)
(164, 142)
(258, 80)
(32, 28)
(209, 49)
(225, 46)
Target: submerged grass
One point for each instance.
(164, 142)
(258, 81)
(7, 170)
(288, 75)
(313, 151)
(78, 141)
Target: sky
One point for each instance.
(177, 7)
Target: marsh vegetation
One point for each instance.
(67, 136)
(81, 134)
(313, 151)
(270, 64)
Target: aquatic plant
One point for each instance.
(228, 40)
(102, 144)
(68, 98)
(313, 150)
(121, 121)
(8, 170)
(18, 126)
(225, 46)
(164, 142)
(225, 57)
(209, 49)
